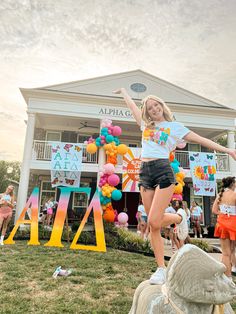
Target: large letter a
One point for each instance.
(32, 203)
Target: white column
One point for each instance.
(101, 158)
(231, 144)
(25, 167)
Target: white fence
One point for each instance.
(42, 150)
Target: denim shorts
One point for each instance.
(156, 173)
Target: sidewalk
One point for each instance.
(212, 241)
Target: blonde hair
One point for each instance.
(11, 186)
(145, 116)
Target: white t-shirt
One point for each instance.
(196, 211)
(142, 210)
(159, 142)
(170, 210)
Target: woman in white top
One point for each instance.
(225, 208)
(160, 136)
(196, 218)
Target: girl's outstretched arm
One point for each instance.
(130, 104)
(195, 138)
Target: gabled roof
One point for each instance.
(104, 85)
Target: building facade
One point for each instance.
(72, 112)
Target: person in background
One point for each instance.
(6, 210)
(233, 258)
(169, 230)
(224, 207)
(188, 213)
(196, 218)
(49, 205)
(54, 209)
(142, 219)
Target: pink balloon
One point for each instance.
(117, 130)
(113, 179)
(178, 197)
(109, 168)
(123, 218)
(181, 145)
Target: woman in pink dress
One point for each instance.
(6, 206)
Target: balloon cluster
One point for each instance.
(108, 139)
(179, 175)
(122, 220)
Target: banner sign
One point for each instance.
(203, 171)
(66, 164)
(131, 166)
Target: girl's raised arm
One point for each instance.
(195, 138)
(130, 104)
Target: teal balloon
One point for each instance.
(98, 141)
(175, 165)
(104, 131)
(116, 195)
(109, 138)
(117, 141)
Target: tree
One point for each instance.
(9, 170)
(222, 140)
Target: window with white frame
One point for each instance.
(80, 202)
(81, 138)
(53, 136)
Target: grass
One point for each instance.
(101, 283)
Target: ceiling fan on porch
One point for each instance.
(86, 125)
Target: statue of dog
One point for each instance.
(196, 284)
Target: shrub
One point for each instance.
(202, 245)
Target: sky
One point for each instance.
(190, 43)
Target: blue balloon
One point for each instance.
(109, 138)
(104, 131)
(116, 195)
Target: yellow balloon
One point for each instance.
(91, 148)
(122, 149)
(178, 189)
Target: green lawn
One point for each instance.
(100, 282)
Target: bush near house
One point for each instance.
(116, 238)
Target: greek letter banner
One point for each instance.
(66, 164)
(203, 171)
(131, 166)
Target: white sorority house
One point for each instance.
(72, 112)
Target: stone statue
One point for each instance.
(196, 284)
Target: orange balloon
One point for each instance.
(109, 215)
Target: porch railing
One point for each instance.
(222, 161)
(42, 150)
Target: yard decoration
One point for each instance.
(56, 234)
(108, 139)
(189, 267)
(179, 175)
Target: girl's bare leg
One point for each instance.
(160, 202)
(226, 255)
(4, 226)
